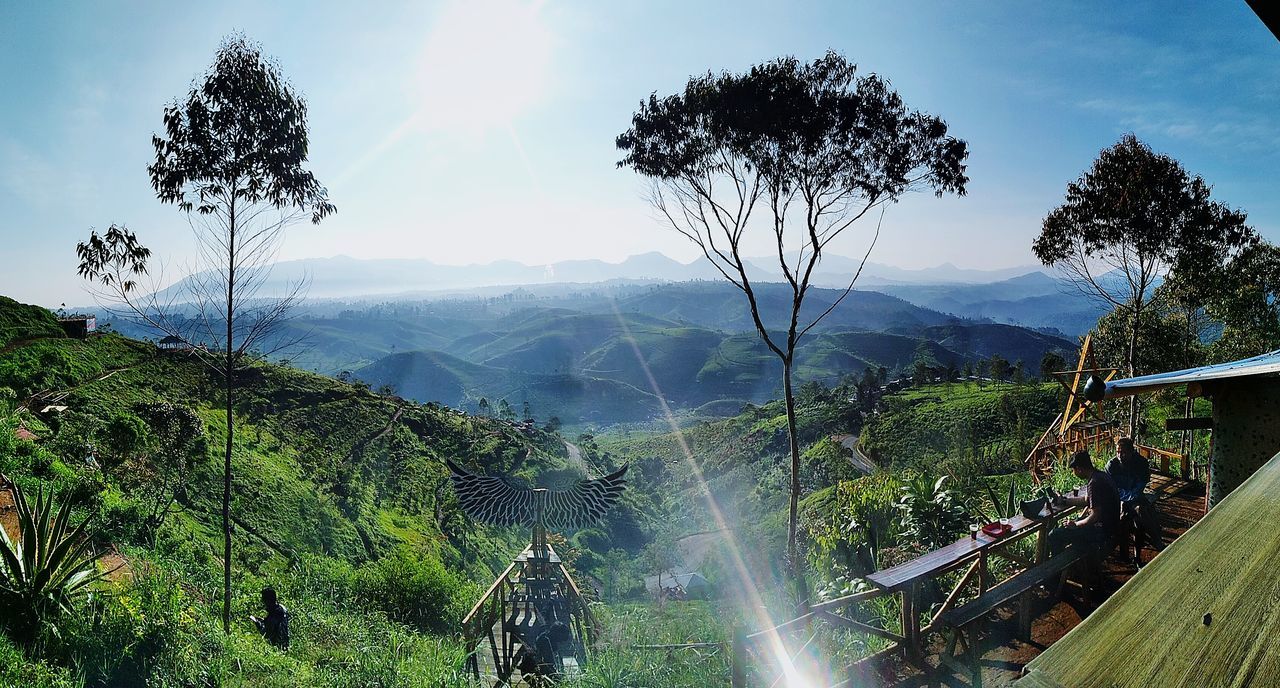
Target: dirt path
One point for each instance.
(114, 563)
(697, 547)
(17, 343)
(860, 461)
(53, 397)
(575, 455)
(395, 417)
(8, 511)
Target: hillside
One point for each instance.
(1034, 300)
(944, 427)
(19, 321)
(721, 306)
(341, 501)
(1014, 343)
(431, 376)
(680, 341)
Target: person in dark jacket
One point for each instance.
(275, 627)
(1131, 473)
(1101, 518)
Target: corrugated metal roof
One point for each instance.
(1266, 364)
(1202, 613)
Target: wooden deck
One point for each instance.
(1203, 614)
(1180, 505)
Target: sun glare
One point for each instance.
(484, 64)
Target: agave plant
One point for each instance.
(47, 566)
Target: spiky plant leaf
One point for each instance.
(47, 565)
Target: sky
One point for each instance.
(471, 132)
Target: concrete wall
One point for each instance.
(1246, 432)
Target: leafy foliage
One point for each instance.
(993, 427)
(240, 136)
(1134, 216)
(46, 566)
(930, 514)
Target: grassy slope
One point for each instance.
(20, 321)
(319, 487)
(318, 480)
(920, 428)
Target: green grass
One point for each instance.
(994, 423)
(20, 321)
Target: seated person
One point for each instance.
(1101, 518)
(275, 628)
(1131, 473)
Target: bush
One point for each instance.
(415, 588)
(17, 670)
(48, 566)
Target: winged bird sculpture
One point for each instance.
(492, 500)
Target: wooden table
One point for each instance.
(907, 576)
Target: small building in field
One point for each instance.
(79, 326)
(695, 586)
(172, 343)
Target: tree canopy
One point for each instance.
(1131, 220)
(240, 136)
(796, 151)
(1134, 216)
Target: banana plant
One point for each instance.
(47, 566)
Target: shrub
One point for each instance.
(415, 588)
(17, 670)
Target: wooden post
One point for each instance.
(1042, 540)
(911, 622)
(983, 575)
(738, 660)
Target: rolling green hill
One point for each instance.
(721, 306)
(340, 501)
(19, 321)
(995, 423)
(441, 378)
(984, 340)
(597, 368)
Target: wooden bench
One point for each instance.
(962, 622)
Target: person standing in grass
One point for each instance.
(275, 627)
(1101, 519)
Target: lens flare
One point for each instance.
(755, 603)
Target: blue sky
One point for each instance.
(463, 134)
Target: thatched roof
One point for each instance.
(1203, 613)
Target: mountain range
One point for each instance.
(345, 277)
(597, 342)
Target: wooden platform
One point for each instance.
(1204, 613)
(1004, 656)
(489, 671)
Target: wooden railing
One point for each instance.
(505, 602)
(905, 581)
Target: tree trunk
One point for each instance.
(793, 568)
(229, 373)
(226, 509)
(1133, 351)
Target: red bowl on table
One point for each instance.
(996, 529)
